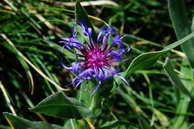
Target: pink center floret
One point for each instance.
(97, 58)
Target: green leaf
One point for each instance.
(117, 124)
(179, 42)
(192, 25)
(148, 59)
(61, 106)
(84, 94)
(184, 103)
(82, 16)
(143, 123)
(21, 123)
(175, 79)
(143, 61)
(180, 21)
(192, 126)
(70, 124)
(4, 127)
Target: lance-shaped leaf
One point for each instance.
(21, 123)
(143, 61)
(180, 21)
(61, 106)
(148, 59)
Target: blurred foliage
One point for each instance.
(30, 68)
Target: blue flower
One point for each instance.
(95, 59)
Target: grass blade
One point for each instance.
(175, 79)
(181, 26)
(32, 65)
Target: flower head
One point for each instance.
(95, 58)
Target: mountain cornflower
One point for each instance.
(94, 59)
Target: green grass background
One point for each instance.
(30, 62)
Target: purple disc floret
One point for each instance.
(95, 59)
